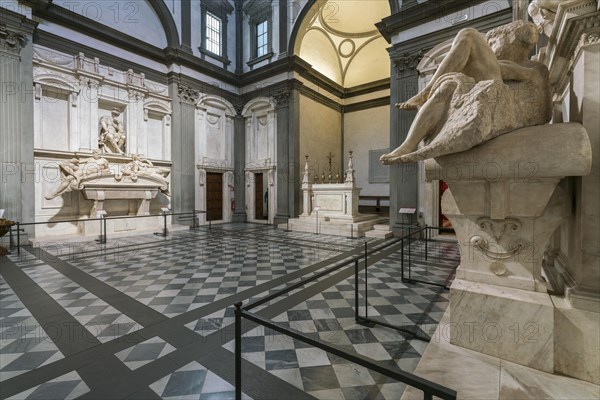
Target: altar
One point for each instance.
(331, 207)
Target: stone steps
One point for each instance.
(380, 231)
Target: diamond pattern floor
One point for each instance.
(193, 269)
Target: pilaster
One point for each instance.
(18, 171)
(403, 177)
(183, 146)
(282, 109)
(239, 160)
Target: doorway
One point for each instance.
(214, 196)
(261, 207)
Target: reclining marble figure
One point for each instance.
(485, 86)
(143, 167)
(75, 172)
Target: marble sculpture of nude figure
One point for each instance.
(485, 86)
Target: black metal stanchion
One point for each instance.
(11, 245)
(409, 251)
(18, 238)
(164, 233)
(193, 219)
(402, 259)
(238, 351)
(366, 288)
(426, 240)
(356, 290)
(105, 232)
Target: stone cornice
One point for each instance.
(576, 25)
(430, 40)
(419, 14)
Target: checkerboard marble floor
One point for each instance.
(148, 300)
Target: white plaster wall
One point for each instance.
(134, 18)
(320, 133)
(363, 131)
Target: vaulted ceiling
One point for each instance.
(339, 39)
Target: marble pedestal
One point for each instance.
(504, 204)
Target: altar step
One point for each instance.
(380, 231)
(332, 226)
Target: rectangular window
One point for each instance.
(262, 38)
(213, 34)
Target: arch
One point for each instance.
(57, 81)
(156, 105)
(217, 102)
(255, 102)
(394, 6)
(307, 7)
(167, 21)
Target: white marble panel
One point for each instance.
(55, 120)
(154, 134)
(330, 202)
(576, 341)
(511, 324)
(519, 382)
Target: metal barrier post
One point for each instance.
(10, 238)
(164, 224)
(409, 251)
(193, 219)
(356, 290)
(402, 259)
(366, 288)
(427, 396)
(426, 240)
(238, 351)
(105, 231)
(18, 238)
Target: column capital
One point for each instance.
(11, 40)
(407, 62)
(187, 95)
(282, 99)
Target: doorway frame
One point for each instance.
(250, 185)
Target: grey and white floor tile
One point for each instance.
(24, 345)
(194, 381)
(68, 386)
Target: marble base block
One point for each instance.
(576, 342)
(511, 324)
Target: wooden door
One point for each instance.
(258, 192)
(214, 196)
